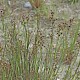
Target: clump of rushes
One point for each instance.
(36, 44)
(13, 45)
(18, 51)
(2, 16)
(27, 56)
(51, 56)
(40, 57)
(52, 20)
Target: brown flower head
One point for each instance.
(36, 3)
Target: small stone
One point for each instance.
(28, 5)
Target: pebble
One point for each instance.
(28, 5)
